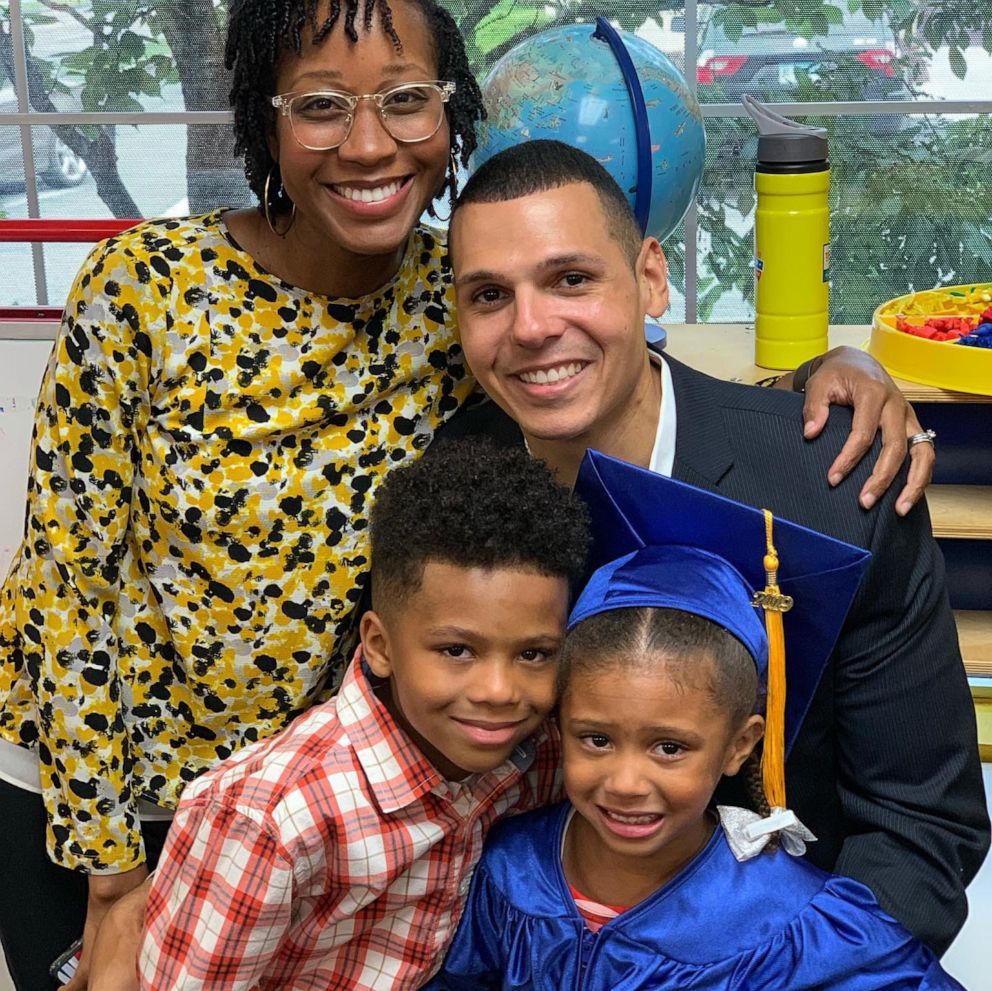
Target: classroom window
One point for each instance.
(120, 109)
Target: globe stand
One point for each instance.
(642, 129)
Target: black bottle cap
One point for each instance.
(794, 148)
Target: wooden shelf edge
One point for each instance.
(727, 351)
(961, 512)
(975, 638)
(916, 393)
(983, 713)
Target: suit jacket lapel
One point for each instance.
(703, 455)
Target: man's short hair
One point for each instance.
(538, 166)
(474, 505)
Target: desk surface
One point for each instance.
(727, 351)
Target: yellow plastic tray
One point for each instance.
(939, 363)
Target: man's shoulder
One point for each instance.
(770, 463)
(756, 417)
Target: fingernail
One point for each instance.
(868, 500)
(902, 508)
(835, 478)
(807, 428)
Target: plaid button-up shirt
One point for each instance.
(332, 856)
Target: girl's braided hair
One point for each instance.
(261, 32)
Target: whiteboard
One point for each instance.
(22, 364)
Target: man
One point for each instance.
(553, 283)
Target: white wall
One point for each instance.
(21, 366)
(968, 957)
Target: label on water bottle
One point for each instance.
(759, 266)
(826, 263)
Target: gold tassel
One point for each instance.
(774, 604)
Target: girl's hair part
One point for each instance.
(637, 637)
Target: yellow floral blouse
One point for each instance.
(207, 444)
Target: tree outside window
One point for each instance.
(912, 191)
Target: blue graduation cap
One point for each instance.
(659, 542)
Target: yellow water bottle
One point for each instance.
(791, 242)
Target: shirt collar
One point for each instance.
(397, 772)
(663, 452)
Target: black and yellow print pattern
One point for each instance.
(207, 444)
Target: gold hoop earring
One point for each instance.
(265, 209)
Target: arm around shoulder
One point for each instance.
(850, 377)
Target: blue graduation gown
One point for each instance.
(774, 923)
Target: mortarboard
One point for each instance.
(659, 542)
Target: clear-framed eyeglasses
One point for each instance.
(322, 120)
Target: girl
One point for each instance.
(638, 881)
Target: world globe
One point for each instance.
(569, 84)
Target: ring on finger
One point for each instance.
(924, 437)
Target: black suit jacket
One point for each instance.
(885, 769)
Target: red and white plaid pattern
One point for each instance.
(333, 856)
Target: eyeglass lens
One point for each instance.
(409, 113)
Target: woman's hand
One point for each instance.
(850, 377)
(100, 963)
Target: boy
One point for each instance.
(338, 854)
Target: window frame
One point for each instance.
(26, 120)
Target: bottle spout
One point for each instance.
(770, 121)
(783, 142)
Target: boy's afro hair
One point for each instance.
(475, 505)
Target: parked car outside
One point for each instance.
(859, 59)
(57, 165)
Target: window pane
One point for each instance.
(755, 50)
(62, 262)
(666, 31)
(17, 286)
(142, 170)
(8, 95)
(140, 58)
(911, 199)
(17, 281)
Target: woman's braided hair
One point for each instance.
(261, 32)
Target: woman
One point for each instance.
(225, 395)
